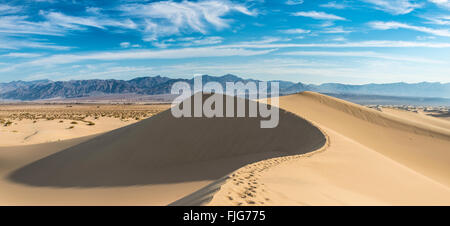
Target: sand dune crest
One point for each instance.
(164, 149)
(422, 148)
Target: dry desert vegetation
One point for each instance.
(22, 124)
(325, 151)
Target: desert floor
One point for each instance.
(22, 124)
(324, 152)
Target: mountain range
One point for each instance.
(47, 89)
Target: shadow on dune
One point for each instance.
(164, 149)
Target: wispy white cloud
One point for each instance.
(294, 2)
(295, 31)
(396, 7)
(72, 22)
(125, 44)
(14, 25)
(335, 30)
(148, 54)
(265, 40)
(334, 5)
(153, 20)
(164, 43)
(129, 45)
(169, 18)
(370, 54)
(327, 23)
(93, 10)
(319, 15)
(362, 44)
(8, 43)
(21, 55)
(188, 41)
(8, 9)
(441, 3)
(339, 39)
(380, 25)
(438, 19)
(193, 41)
(57, 23)
(423, 38)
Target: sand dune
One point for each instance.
(345, 154)
(373, 158)
(345, 173)
(418, 146)
(167, 156)
(419, 117)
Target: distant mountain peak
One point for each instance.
(230, 76)
(46, 89)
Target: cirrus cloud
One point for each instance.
(148, 54)
(168, 18)
(294, 2)
(441, 3)
(396, 7)
(396, 25)
(318, 15)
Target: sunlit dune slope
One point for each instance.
(371, 158)
(353, 156)
(161, 149)
(419, 117)
(422, 147)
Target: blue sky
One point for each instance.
(311, 41)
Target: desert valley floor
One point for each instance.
(325, 151)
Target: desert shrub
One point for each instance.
(74, 122)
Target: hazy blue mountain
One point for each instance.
(69, 89)
(45, 89)
(9, 86)
(146, 82)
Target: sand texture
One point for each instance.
(161, 156)
(325, 151)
